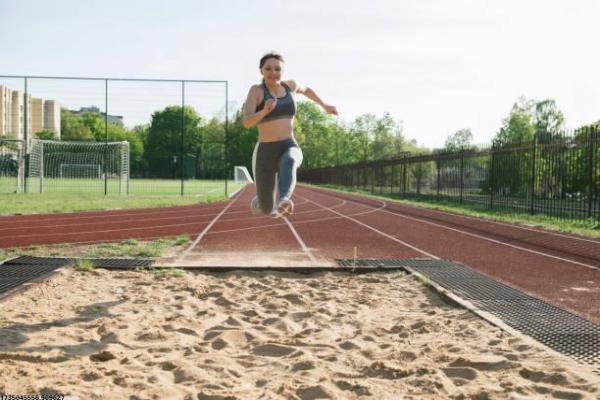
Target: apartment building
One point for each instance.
(18, 112)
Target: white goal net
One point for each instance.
(241, 175)
(59, 166)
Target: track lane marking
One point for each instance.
(305, 249)
(185, 253)
(481, 237)
(377, 230)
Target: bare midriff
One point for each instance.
(275, 130)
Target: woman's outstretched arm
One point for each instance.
(311, 94)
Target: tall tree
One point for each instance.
(519, 126)
(549, 120)
(72, 128)
(461, 139)
(164, 134)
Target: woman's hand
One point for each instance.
(330, 109)
(270, 106)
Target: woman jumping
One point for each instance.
(271, 106)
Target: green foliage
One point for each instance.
(528, 118)
(84, 265)
(96, 123)
(45, 135)
(326, 142)
(164, 133)
(73, 128)
(461, 139)
(242, 142)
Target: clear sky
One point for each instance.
(437, 66)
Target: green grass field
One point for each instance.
(68, 195)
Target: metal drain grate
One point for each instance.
(30, 260)
(20, 270)
(109, 263)
(556, 328)
(14, 275)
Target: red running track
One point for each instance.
(561, 269)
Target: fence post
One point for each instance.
(590, 191)
(392, 180)
(182, 129)
(227, 166)
(419, 179)
(462, 172)
(437, 165)
(405, 177)
(533, 172)
(491, 174)
(26, 151)
(105, 136)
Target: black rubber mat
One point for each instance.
(20, 270)
(14, 275)
(109, 263)
(29, 260)
(556, 328)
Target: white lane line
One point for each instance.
(144, 228)
(308, 221)
(486, 238)
(378, 231)
(526, 228)
(187, 251)
(53, 218)
(305, 249)
(237, 253)
(106, 222)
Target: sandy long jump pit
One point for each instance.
(280, 335)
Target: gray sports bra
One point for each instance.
(285, 108)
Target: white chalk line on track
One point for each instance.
(545, 233)
(118, 214)
(477, 236)
(104, 221)
(121, 229)
(234, 253)
(144, 228)
(305, 249)
(377, 230)
(479, 219)
(104, 214)
(301, 222)
(184, 254)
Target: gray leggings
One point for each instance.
(270, 158)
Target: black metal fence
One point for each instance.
(176, 134)
(557, 176)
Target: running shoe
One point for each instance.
(255, 206)
(284, 208)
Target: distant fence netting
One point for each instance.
(12, 166)
(78, 166)
(557, 176)
(70, 128)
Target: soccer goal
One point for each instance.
(83, 166)
(12, 166)
(81, 171)
(241, 175)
